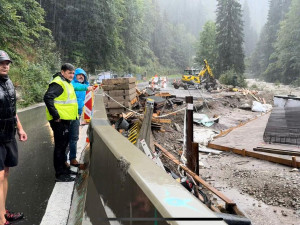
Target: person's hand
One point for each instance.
(90, 88)
(22, 135)
(57, 121)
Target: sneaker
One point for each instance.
(11, 216)
(64, 178)
(70, 172)
(74, 162)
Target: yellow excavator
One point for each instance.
(195, 78)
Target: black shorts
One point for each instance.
(8, 154)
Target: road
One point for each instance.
(32, 181)
(180, 93)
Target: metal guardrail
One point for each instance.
(131, 187)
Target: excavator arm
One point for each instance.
(205, 69)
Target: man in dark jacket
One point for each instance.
(62, 108)
(9, 124)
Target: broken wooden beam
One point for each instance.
(277, 151)
(287, 162)
(158, 120)
(254, 96)
(196, 177)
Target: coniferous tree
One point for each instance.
(115, 34)
(265, 48)
(250, 33)
(229, 38)
(206, 46)
(286, 57)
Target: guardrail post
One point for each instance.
(189, 132)
(146, 125)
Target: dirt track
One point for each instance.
(267, 192)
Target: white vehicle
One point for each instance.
(104, 75)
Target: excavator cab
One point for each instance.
(191, 76)
(196, 78)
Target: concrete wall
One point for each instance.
(130, 185)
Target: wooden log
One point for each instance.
(287, 162)
(195, 177)
(157, 120)
(254, 97)
(133, 101)
(277, 151)
(294, 161)
(163, 94)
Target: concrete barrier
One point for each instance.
(127, 186)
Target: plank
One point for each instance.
(256, 155)
(161, 120)
(119, 81)
(120, 98)
(277, 151)
(115, 111)
(113, 93)
(118, 87)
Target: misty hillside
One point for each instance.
(194, 13)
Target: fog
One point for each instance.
(194, 13)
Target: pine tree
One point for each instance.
(265, 49)
(206, 46)
(286, 58)
(229, 38)
(250, 34)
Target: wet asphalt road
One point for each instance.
(32, 181)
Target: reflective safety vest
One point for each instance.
(65, 104)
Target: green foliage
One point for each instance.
(230, 77)
(30, 46)
(32, 80)
(296, 83)
(287, 55)
(277, 83)
(21, 23)
(206, 46)
(117, 35)
(32, 77)
(229, 37)
(250, 34)
(262, 63)
(254, 87)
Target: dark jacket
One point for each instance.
(53, 91)
(8, 119)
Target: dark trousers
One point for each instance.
(61, 141)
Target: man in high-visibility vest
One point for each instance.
(62, 108)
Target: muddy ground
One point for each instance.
(267, 193)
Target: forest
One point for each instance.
(148, 37)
